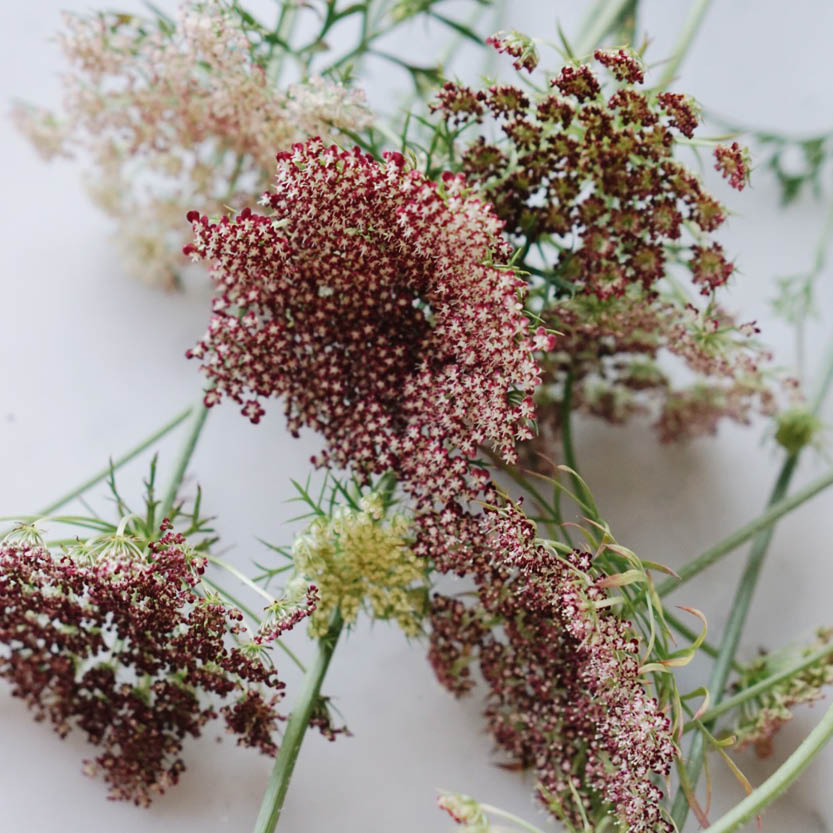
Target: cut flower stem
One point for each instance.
(270, 809)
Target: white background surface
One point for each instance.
(91, 362)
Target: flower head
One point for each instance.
(373, 302)
(520, 46)
(125, 649)
(566, 695)
(733, 164)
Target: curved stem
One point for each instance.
(602, 20)
(270, 809)
(779, 780)
(743, 598)
(692, 24)
(118, 462)
(184, 459)
(731, 542)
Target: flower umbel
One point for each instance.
(373, 301)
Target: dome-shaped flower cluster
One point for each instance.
(566, 695)
(125, 649)
(374, 303)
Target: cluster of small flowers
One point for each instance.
(733, 164)
(125, 649)
(566, 696)
(595, 170)
(614, 352)
(174, 117)
(600, 170)
(520, 46)
(373, 301)
(759, 719)
(299, 601)
(357, 557)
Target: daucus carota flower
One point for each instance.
(373, 302)
(757, 720)
(124, 649)
(732, 162)
(520, 46)
(566, 695)
(174, 116)
(358, 558)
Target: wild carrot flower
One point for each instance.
(358, 558)
(566, 694)
(375, 304)
(520, 46)
(733, 164)
(174, 116)
(124, 648)
(758, 720)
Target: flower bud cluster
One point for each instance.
(590, 167)
(759, 719)
(374, 303)
(174, 116)
(565, 692)
(359, 558)
(125, 649)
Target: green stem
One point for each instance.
(602, 19)
(270, 809)
(740, 536)
(779, 780)
(695, 17)
(503, 814)
(743, 597)
(586, 498)
(686, 632)
(117, 463)
(762, 686)
(200, 413)
(731, 636)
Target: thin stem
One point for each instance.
(570, 453)
(762, 686)
(695, 17)
(503, 814)
(731, 636)
(184, 459)
(740, 536)
(118, 462)
(779, 780)
(599, 23)
(743, 597)
(270, 809)
(241, 577)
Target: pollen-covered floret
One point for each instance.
(359, 557)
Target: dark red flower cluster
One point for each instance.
(372, 300)
(733, 164)
(624, 66)
(521, 47)
(126, 651)
(566, 696)
(595, 172)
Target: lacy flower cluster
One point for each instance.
(359, 558)
(565, 692)
(759, 719)
(122, 647)
(174, 115)
(373, 302)
(585, 178)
